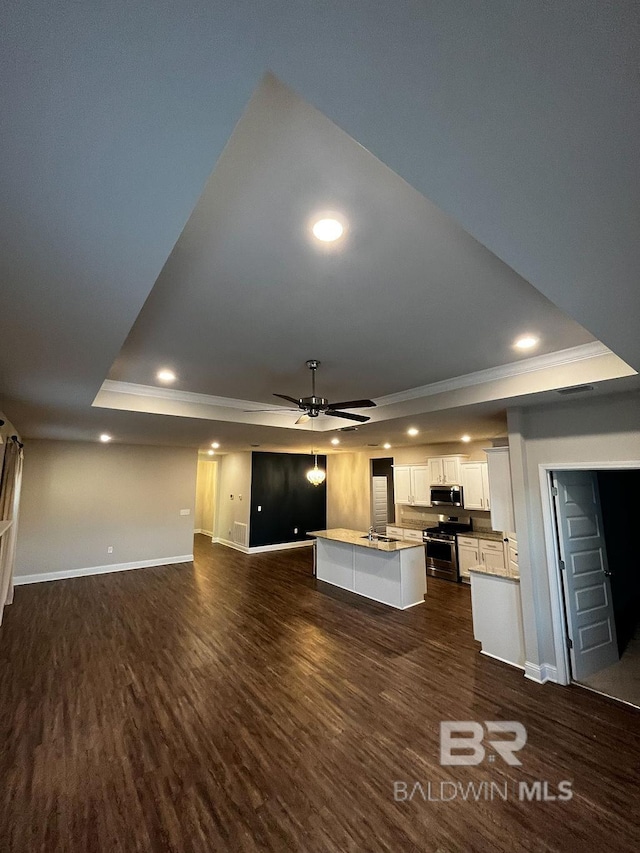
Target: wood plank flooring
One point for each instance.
(239, 705)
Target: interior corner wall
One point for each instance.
(80, 498)
(234, 494)
(599, 432)
(206, 481)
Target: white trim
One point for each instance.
(559, 358)
(203, 531)
(218, 540)
(502, 660)
(284, 546)
(556, 595)
(558, 619)
(541, 673)
(5, 525)
(22, 580)
(261, 549)
(177, 396)
(228, 408)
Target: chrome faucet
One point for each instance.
(372, 533)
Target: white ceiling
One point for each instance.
(520, 122)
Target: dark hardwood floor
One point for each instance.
(236, 705)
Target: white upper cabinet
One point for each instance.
(411, 485)
(475, 485)
(500, 490)
(445, 470)
(421, 485)
(402, 484)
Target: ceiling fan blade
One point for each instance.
(361, 418)
(287, 397)
(280, 410)
(303, 418)
(353, 404)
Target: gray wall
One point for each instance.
(79, 498)
(596, 432)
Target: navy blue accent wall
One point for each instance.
(287, 499)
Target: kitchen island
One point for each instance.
(392, 573)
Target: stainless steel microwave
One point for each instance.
(446, 496)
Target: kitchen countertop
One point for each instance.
(483, 570)
(355, 537)
(491, 535)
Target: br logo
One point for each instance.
(461, 741)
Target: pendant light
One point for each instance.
(316, 476)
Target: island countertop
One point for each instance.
(360, 538)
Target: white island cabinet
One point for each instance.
(392, 573)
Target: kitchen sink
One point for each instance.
(381, 539)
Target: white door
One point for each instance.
(379, 507)
(402, 484)
(421, 485)
(585, 575)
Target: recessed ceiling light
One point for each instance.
(465, 438)
(166, 376)
(105, 437)
(210, 452)
(412, 431)
(327, 230)
(387, 446)
(526, 342)
(215, 445)
(335, 441)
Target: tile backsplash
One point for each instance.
(427, 516)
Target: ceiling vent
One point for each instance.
(373, 445)
(347, 429)
(575, 389)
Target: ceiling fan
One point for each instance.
(313, 406)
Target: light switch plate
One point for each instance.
(185, 512)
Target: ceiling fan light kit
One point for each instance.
(313, 406)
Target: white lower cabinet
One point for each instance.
(511, 556)
(474, 552)
(468, 555)
(492, 555)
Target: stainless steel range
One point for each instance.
(441, 547)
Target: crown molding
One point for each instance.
(560, 358)
(176, 396)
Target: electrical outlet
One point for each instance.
(295, 529)
(110, 549)
(259, 508)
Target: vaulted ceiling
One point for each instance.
(486, 156)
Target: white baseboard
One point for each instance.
(218, 540)
(283, 546)
(203, 531)
(541, 673)
(502, 660)
(22, 580)
(260, 549)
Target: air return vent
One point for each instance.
(347, 429)
(575, 389)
